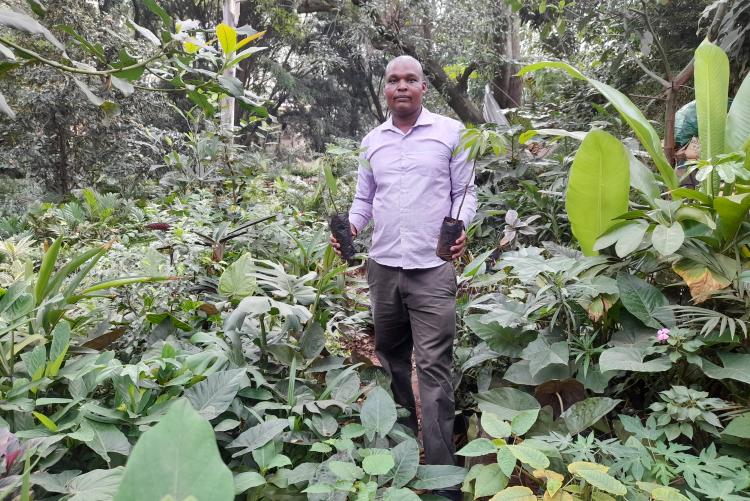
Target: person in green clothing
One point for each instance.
(686, 142)
(685, 124)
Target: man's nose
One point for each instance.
(402, 85)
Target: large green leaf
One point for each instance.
(58, 349)
(247, 480)
(494, 426)
(258, 436)
(630, 113)
(477, 447)
(45, 270)
(520, 373)
(506, 402)
(586, 413)
(214, 395)
(237, 281)
(643, 179)
(641, 299)
(732, 210)
(736, 366)
(438, 476)
(598, 187)
(530, 456)
(95, 485)
(406, 459)
(711, 89)
(547, 355)
(631, 359)
(378, 413)
(603, 481)
(105, 438)
(179, 458)
(227, 38)
(507, 341)
(666, 493)
(739, 426)
(626, 235)
(345, 470)
(490, 480)
(515, 493)
(378, 464)
(668, 239)
(738, 119)
(331, 183)
(394, 494)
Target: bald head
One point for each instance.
(405, 62)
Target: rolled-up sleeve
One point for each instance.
(361, 210)
(462, 177)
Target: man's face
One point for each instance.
(404, 88)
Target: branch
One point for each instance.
(73, 69)
(463, 80)
(375, 98)
(713, 30)
(653, 75)
(647, 97)
(684, 75)
(156, 89)
(310, 6)
(662, 52)
(648, 72)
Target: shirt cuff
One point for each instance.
(358, 221)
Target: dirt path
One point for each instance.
(362, 347)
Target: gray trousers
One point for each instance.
(415, 310)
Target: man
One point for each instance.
(412, 183)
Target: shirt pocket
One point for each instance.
(428, 162)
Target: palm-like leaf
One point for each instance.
(277, 281)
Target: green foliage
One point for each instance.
(628, 111)
(127, 70)
(588, 377)
(598, 187)
(179, 458)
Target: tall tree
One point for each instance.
(231, 13)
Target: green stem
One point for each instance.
(466, 188)
(11, 363)
(73, 69)
(333, 204)
(263, 342)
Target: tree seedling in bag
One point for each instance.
(477, 141)
(338, 222)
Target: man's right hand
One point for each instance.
(335, 243)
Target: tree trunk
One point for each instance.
(63, 178)
(231, 15)
(456, 97)
(507, 89)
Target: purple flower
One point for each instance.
(10, 449)
(662, 335)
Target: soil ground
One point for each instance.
(362, 346)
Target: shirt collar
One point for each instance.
(426, 117)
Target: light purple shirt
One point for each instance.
(412, 183)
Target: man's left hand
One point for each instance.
(458, 250)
